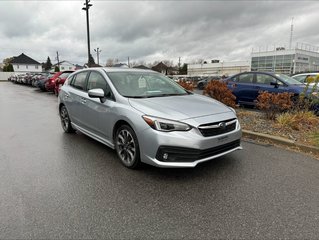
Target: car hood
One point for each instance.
(179, 107)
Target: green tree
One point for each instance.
(7, 65)
(10, 68)
(183, 70)
(91, 61)
(48, 64)
(57, 69)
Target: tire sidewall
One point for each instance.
(136, 161)
(69, 129)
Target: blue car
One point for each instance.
(246, 86)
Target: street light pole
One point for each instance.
(98, 50)
(86, 8)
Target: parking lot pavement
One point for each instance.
(55, 185)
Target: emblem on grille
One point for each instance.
(222, 125)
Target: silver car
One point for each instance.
(147, 117)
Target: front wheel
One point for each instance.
(127, 147)
(65, 120)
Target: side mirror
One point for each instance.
(96, 93)
(274, 84)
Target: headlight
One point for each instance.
(165, 125)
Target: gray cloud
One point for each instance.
(153, 30)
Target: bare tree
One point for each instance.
(168, 63)
(197, 61)
(109, 62)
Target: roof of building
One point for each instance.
(160, 66)
(24, 59)
(141, 67)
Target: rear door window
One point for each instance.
(245, 78)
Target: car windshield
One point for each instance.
(145, 85)
(288, 80)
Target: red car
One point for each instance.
(60, 81)
(50, 84)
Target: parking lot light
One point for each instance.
(86, 8)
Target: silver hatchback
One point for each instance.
(147, 117)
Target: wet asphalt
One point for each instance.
(59, 186)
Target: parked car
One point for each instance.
(60, 81)
(142, 115)
(302, 77)
(50, 84)
(246, 86)
(202, 83)
(40, 83)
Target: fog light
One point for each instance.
(165, 156)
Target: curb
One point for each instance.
(280, 140)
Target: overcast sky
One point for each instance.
(153, 30)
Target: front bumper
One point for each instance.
(185, 149)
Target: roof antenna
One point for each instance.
(291, 32)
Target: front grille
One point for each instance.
(179, 154)
(217, 128)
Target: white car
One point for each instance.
(302, 77)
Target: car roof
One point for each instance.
(303, 74)
(116, 69)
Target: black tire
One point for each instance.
(65, 120)
(127, 147)
(200, 86)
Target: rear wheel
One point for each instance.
(127, 147)
(65, 120)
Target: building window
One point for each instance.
(36, 67)
(26, 66)
(17, 66)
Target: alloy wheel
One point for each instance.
(126, 147)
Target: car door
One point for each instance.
(242, 86)
(267, 82)
(97, 113)
(76, 96)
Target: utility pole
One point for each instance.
(128, 61)
(98, 50)
(291, 32)
(57, 58)
(86, 8)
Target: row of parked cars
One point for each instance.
(45, 81)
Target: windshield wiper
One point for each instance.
(135, 96)
(167, 95)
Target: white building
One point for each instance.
(64, 66)
(302, 58)
(218, 68)
(23, 64)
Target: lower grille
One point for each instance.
(179, 154)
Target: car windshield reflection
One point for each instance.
(145, 85)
